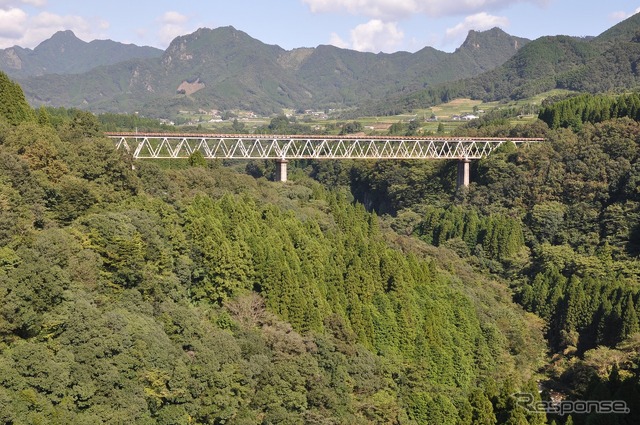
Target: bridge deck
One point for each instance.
(286, 147)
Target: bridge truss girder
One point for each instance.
(168, 146)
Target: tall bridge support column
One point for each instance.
(281, 170)
(463, 173)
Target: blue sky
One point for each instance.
(366, 25)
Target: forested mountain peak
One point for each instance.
(221, 45)
(624, 31)
(490, 38)
(485, 50)
(59, 42)
(65, 53)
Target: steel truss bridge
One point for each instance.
(288, 147)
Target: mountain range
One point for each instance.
(609, 62)
(226, 69)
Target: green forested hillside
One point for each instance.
(534, 69)
(577, 110)
(14, 108)
(560, 220)
(193, 293)
(173, 294)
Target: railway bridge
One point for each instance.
(283, 148)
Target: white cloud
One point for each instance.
(173, 24)
(621, 16)
(386, 9)
(9, 4)
(17, 27)
(479, 22)
(36, 3)
(618, 16)
(376, 36)
(381, 33)
(338, 42)
(22, 25)
(174, 18)
(393, 10)
(12, 23)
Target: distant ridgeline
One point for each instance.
(603, 64)
(225, 69)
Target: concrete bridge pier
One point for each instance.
(281, 170)
(463, 172)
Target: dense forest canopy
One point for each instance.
(360, 292)
(566, 212)
(138, 293)
(560, 221)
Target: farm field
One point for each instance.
(444, 116)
